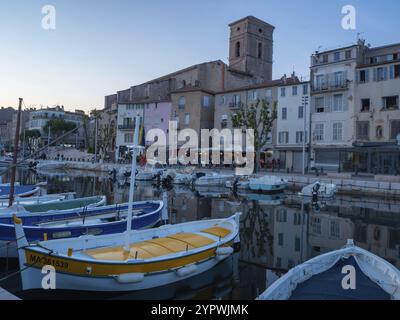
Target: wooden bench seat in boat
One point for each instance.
(158, 247)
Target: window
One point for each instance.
(281, 215)
(223, 100)
(182, 102)
(335, 229)
(319, 104)
(283, 137)
(253, 95)
(348, 54)
(379, 132)
(365, 105)
(284, 113)
(297, 244)
(187, 118)
(319, 82)
(337, 56)
(237, 49)
(283, 92)
(128, 138)
(305, 89)
(319, 132)
(280, 239)
(394, 129)
(338, 79)
(381, 74)
(224, 121)
(363, 76)
(337, 131)
(316, 227)
(397, 71)
(268, 93)
(259, 50)
(300, 112)
(299, 136)
(206, 101)
(362, 130)
(391, 103)
(294, 91)
(325, 58)
(236, 100)
(338, 102)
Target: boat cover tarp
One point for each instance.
(328, 285)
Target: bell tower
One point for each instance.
(251, 47)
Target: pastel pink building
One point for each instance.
(157, 116)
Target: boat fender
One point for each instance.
(223, 252)
(130, 278)
(185, 271)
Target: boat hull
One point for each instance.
(274, 188)
(33, 279)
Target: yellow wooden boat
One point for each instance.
(155, 257)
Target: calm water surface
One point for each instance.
(277, 232)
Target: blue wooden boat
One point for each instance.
(94, 221)
(19, 191)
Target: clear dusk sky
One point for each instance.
(101, 46)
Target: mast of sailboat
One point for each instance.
(132, 185)
(14, 163)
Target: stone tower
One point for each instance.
(251, 47)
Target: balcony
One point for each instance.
(331, 87)
(235, 105)
(124, 127)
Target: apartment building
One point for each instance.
(377, 113)
(293, 125)
(332, 103)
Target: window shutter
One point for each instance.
(391, 72)
(367, 75)
(375, 74)
(345, 103)
(358, 76)
(328, 103)
(312, 106)
(345, 74)
(384, 73)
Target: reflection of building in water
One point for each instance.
(376, 231)
(185, 206)
(290, 237)
(328, 232)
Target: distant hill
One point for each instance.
(6, 114)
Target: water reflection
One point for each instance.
(277, 232)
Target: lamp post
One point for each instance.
(305, 103)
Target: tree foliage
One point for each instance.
(259, 116)
(58, 127)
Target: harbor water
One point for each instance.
(277, 233)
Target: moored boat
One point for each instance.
(214, 179)
(65, 207)
(48, 198)
(350, 273)
(101, 222)
(153, 257)
(268, 184)
(21, 191)
(322, 190)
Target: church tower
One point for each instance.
(251, 47)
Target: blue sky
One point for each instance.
(100, 46)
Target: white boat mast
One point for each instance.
(132, 184)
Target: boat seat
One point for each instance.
(152, 248)
(217, 231)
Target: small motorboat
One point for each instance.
(112, 220)
(20, 191)
(129, 261)
(51, 165)
(65, 207)
(268, 184)
(175, 177)
(322, 190)
(350, 273)
(148, 173)
(239, 183)
(214, 179)
(49, 198)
